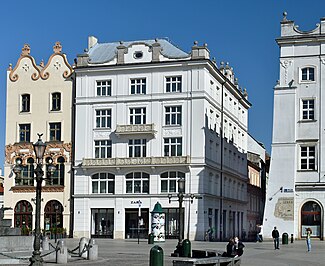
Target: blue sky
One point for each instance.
(241, 32)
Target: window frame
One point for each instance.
(138, 86)
(142, 179)
(308, 74)
(137, 148)
(100, 87)
(103, 180)
(100, 118)
(309, 111)
(171, 85)
(171, 115)
(170, 178)
(25, 103)
(173, 146)
(134, 116)
(102, 148)
(55, 134)
(56, 101)
(310, 157)
(26, 132)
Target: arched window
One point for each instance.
(57, 178)
(103, 183)
(168, 181)
(53, 215)
(137, 182)
(23, 214)
(27, 174)
(308, 74)
(56, 101)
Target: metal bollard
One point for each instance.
(291, 238)
(83, 247)
(61, 253)
(156, 256)
(45, 243)
(93, 250)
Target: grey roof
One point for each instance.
(105, 52)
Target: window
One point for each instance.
(174, 84)
(169, 181)
(308, 110)
(24, 133)
(137, 148)
(103, 148)
(173, 147)
(104, 87)
(103, 183)
(103, 118)
(25, 103)
(56, 101)
(138, 86)
(27, 174)
(137, 116)
(57, 178)
(55, 131)
(308, 157)
(173, 115)
(308, 74)
(137, 182)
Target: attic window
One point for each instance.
(138, 55)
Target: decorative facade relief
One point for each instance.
(284, 208)
(286, 64)
(172, 132)
(101, 134)
(131, 129)
(136, 161)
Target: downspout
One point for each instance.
(221, 163)
(72, 173)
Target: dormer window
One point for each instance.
(138, 55)
(308, 74)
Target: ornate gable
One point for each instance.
(25, 65)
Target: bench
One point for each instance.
(210, 261)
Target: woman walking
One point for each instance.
(308, 234)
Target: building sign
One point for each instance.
(284, 208)
(288, 190)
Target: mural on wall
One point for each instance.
(284, 208)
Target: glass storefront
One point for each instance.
(311, 218)
(136, 226)
(102, 223)
(172, 223)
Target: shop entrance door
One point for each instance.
(102, 223)
(311, 217)
(135, 225)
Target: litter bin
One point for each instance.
(151, 238)
(284, 239)
(186, 248)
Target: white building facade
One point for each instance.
(39, 101)
(147, 114)
(296, 187)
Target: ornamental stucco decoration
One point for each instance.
(28, 66)
(286, 64)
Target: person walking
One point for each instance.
(308, 234)
(276, 235)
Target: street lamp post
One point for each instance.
(56, 207)
(39, 149)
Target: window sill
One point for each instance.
(25, 112)
(102, 129)
(306, 170)
(307, 81)
(307, 121)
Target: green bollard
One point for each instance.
(186, 248)
(156, 256)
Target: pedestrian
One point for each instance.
(239, 247)
(259, 235)
(230, 249)
(308, 234)
(276, 235)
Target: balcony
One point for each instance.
(135, 129)
(140, 161)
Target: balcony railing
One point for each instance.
(139, 161)
(135, 129)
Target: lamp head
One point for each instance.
(181, 185)
(39, 148)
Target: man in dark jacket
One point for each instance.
(276, 235)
